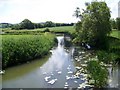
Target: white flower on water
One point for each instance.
(46, 78)
(65, 87)
(59, 72)
(70, 72)
(67, 77)
(68, 68)
(44, 73)
(75, 81)
(66, 84)
(52, 81)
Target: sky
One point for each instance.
(61, 11)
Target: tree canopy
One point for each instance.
(27, 24)
(95, 24)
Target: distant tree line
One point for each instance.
(27, 24)
(5, 25)
(115, 23)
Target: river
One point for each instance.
(53, 71)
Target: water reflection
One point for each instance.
(113, 79)
(55, 68)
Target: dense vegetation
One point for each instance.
(17, 49)
(94, 25)
(98, 73)
(95, 29)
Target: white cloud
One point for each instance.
(14, 11)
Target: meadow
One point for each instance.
(62, 29)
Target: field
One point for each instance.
(61, 29)
(18, 49)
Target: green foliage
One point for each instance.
(49, 24)
(16, 26)
(22, 48)
(111, 55)
(97, 73)
(39, 25)
(21, 32)
(47, 30)
(115, 47)
(78, 26)
(113, 24)
(95, 25)
(26, 24)
(106, 57)
(118, 23)
(77, 13)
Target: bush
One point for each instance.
(98, 73)
(47, 30)
(22, 48)
(106, 57)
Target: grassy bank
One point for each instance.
(18, 49)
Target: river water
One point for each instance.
(54, 71)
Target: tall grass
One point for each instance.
(22, 48)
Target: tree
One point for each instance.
(95, 25)
(27, 24)
(49, 24)
(38, 25)
(77, 13)
(118, 23)
(113, 23)
(16, 27)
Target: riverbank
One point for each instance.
(17, 49)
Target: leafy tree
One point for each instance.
(95, 25)
(38, 25)
(77, 13)
(27, 24)
(49, 24)
(16, 27)
(113, 24)
(118, 23)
